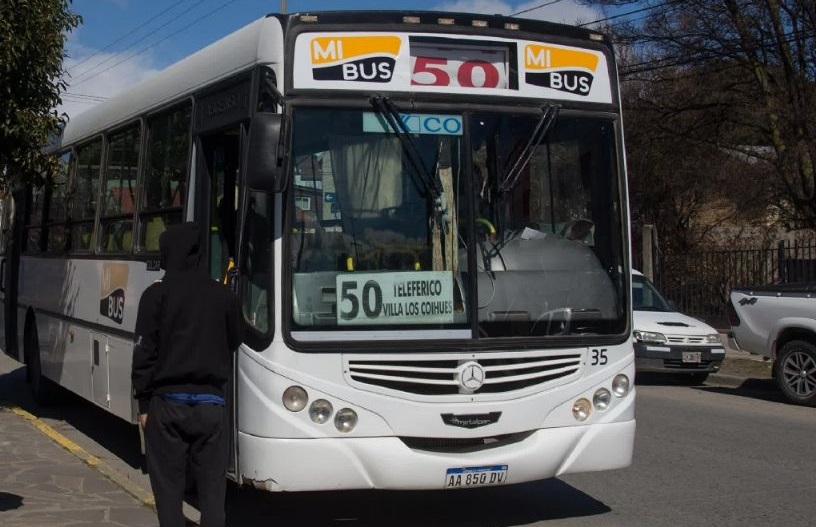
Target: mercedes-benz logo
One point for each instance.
(471, 376)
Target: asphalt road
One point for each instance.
(733, 454)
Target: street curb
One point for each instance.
(145, 497)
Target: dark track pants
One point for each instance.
(175, 434)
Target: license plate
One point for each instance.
(691, 356)
(466, 477)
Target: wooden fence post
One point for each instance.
(648, 251)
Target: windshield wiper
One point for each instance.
(389, 112)
(544, 124)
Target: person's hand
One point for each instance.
(143, 420)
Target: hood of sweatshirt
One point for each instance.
(180, 248)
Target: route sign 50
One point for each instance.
(462, 66)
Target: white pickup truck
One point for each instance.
(779, 322)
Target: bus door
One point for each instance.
(9, 260)
(218, 185)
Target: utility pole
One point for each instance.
(283, 6)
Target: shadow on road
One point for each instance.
(488, 507)
(9, 502)
(763, 389)
(664, 379)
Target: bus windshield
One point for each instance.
(455, 221)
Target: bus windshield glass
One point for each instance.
(486, 224)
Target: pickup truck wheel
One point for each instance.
(796, 372)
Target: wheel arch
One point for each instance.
(789, 334)
(790, 329)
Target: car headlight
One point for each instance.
(714, 338)
(649, 336)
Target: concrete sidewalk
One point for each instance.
(49, 481)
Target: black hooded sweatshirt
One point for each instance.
(187, 326)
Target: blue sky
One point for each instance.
(122, 42)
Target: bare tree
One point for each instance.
(733, 77)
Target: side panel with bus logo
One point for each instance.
(359, 58)
(112, 294)
(559, 68)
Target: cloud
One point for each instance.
(95, 76)
(562, 11)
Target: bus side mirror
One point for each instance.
(266, 153)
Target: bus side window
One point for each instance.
(165, 175)
(52, 236)
(119, 191)
(83, 196)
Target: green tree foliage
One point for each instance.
(706, 77)
(32, 39)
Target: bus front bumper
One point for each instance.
(388, 463)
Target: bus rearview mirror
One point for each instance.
(266, 153)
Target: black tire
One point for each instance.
(692, 379)
(795, 372)
(43, 389)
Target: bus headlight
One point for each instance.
(601, 399)
(581, 409)
(295, 398)
(345, 420)
(620, 385)
(320, 411)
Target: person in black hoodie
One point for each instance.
(187, 328)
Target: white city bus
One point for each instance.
(428, 218)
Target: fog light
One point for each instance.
(295, 398)
(581, 409)
(601, 399)
(320, 411)
(620, 385)
(345, 420)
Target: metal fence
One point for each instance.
(699, 284)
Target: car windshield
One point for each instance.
(435, 226)
(645, 297)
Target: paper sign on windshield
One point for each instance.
(422, 297)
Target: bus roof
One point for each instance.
(253, 45)
(236, 52)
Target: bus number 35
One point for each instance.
(599, 357)
(434, 71)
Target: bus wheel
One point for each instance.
(43, 389)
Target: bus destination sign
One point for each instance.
(421, 297)
(460, 64)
